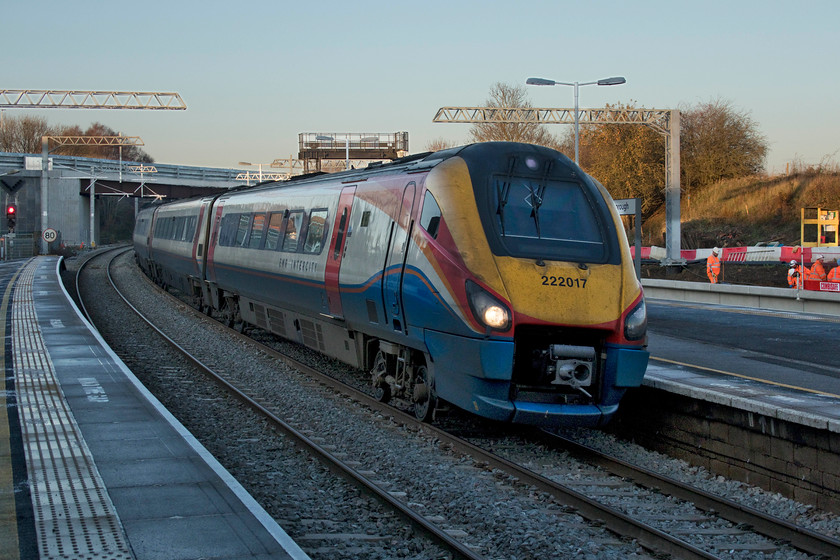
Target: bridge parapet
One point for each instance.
(111, 170)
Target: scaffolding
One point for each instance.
(819, 227)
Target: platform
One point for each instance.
(91, 464)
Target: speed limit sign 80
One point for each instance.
(49, 235)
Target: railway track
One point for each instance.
(668, 518)
(178, 366)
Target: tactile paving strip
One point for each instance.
(73, 514)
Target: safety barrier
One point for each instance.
(751, 254)
(755, 297)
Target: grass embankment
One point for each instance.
(743, 212)
(747, 211)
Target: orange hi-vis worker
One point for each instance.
(817, 271)
(713, 266)
(834, 275)
(795, 275)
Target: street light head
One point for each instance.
(540, 82)
(612, 81)
(319, 137)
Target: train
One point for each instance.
(495, 277)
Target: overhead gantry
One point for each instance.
(664, 121)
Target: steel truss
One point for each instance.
(94, 140)
(74, 99)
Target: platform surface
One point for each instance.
(91, 465)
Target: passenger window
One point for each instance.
(315, 232)
(227, 231)
(365, 218)
(430, 217)
(242, 230)
(293, 224)
(189, 229)
(257, 230)
(273, 235)
(179, 228)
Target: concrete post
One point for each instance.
(672, 192)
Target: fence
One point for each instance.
(18, 246)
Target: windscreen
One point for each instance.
(549, 219)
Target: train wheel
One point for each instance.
(423, 397)
(381, 389)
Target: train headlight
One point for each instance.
(487, 309)
(635, 324)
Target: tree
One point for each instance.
(506, 95)
(439, 143)
(628, 159)
(23, 135)
(717, 142)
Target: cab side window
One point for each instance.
(430, 217)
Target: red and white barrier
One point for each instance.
(752, 254)
(761, 254)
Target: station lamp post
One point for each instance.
(602, 82)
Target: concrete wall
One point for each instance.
(798, 461)
(68, 211)
(756, 297)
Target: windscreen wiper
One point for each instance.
(536, 202)
(504, 193)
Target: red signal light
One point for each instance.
(11, 217)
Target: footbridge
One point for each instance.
(74, 185)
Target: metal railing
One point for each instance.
(397, 141)
(112, 168)
(18, 246)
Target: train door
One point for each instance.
(200, 239)
(215, 226)
(339, 239)
(395, 261)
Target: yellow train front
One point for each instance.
(519, 282)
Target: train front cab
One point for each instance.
(567, 354)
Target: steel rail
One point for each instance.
(620, 523)
(801, 538)
(334, 463)
(77, 281)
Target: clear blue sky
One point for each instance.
(255, 74)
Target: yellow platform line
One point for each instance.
(741, 376)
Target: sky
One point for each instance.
(255, 74)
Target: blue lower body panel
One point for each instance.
(475, 375)
(559, 415)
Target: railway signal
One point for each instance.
(11, 217)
